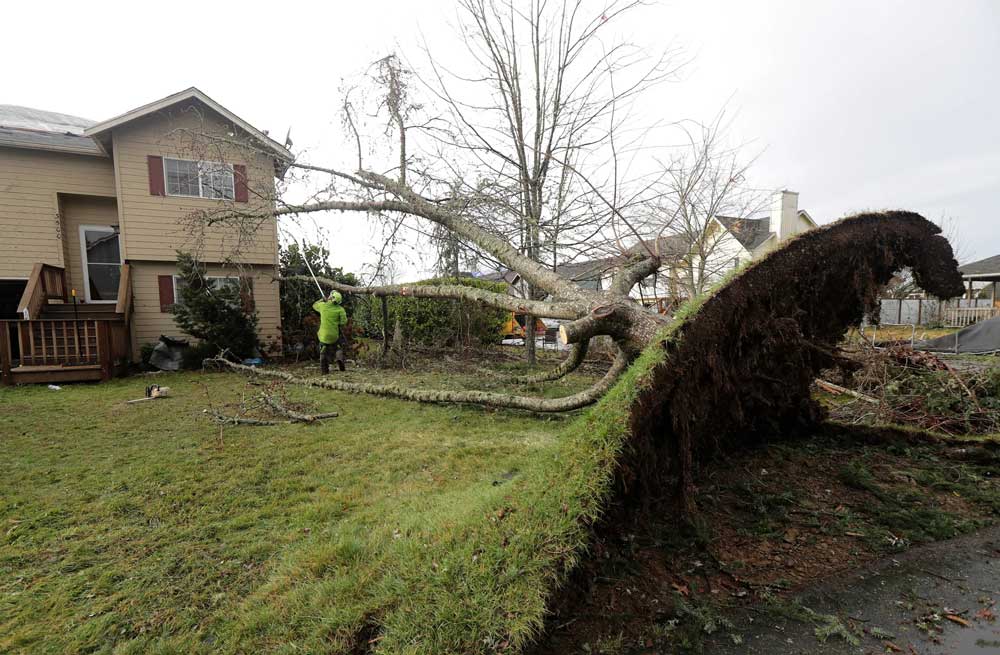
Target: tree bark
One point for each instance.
(572, 362)
(529, 339)
(566, 309)
(385, 326)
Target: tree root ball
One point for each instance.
(740, 366)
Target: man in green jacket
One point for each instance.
(331, 318)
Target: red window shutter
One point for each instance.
(166, 283)
(246, 294)
(240, 191)
(156, 186)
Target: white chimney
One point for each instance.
(785, 214)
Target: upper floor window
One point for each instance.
(198, 179)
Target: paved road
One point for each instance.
(894, 595)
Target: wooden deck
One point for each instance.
(52, 350)
(62, 342)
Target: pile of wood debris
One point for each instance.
(909, 387)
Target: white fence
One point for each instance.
(920, 311)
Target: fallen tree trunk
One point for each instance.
(741, 360)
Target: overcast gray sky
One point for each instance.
(856, 104)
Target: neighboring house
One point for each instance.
(983, 271)
(103, 207)
(693, 262)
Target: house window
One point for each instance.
(198, 179)
(214, 282)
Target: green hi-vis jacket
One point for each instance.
(331, 317)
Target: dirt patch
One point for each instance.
(778, 518)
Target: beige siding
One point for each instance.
(154, 226)
(30, 228)
(148, 322)
(77, 211)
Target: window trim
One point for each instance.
(201, 190)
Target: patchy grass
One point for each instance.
(395, 528)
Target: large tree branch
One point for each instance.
(530, 270)
(486, 398)
(572, 362)
(628, 276)
(411, 203)
(457, 292)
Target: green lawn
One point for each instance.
(143, 528)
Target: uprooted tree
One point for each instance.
(755, 344)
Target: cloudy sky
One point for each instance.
(855, 104)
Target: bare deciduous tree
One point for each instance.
(528, 160)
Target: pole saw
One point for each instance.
(309, 266)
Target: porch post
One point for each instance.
(5, 354)
(104, 349)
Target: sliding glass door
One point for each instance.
(102, 260)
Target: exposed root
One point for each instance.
(485, 398)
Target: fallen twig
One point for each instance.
(271, 402)
(837, 389)
(236, 420)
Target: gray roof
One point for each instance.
(667, 247)
(990, 265)
(750, 232)
(24, 127)
(27, 118)
(587, 275)
(510, 277)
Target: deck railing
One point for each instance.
(59, 343)
(47, 282)
(964, 316)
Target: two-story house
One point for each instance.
(92, 215)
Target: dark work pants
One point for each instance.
(331, 351)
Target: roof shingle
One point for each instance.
(750, 232)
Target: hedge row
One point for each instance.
(433, 321)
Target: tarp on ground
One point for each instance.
(979, 338)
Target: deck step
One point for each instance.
(82, 311)
(44, 374)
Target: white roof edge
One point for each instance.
(975, 275)
(187, 94)
(810, 218)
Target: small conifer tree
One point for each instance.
(219, 312)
